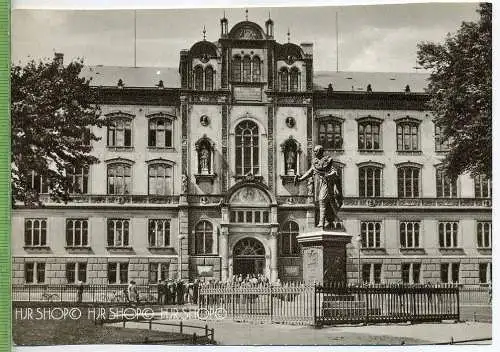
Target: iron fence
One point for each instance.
(475, 295)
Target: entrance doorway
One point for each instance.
(249, 257)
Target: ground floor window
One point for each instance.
(158, 272)
(117, 273)
(450, 273)
(372, 273)
(410, 273)
(485, 273)
(76, 272)
(34, 273)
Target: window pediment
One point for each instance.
(408, 119)
(119, 160)
(371, 164)
(119, 115)
(160, 161)
(369, 118)
(249, 196)
(161, 115)
(331, 117)
(290, 142)
(204, 141)
(408, 164)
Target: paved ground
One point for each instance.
(233, 333)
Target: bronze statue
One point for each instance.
(330, 196)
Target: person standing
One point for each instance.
(80, 291)
(161, 292)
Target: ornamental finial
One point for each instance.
(246, 14)
(204, 33)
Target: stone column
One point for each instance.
(224, 253)
(273, 244)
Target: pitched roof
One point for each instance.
(341, 81)
(379, 81)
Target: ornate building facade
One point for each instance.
(196, 175)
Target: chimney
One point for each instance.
(59, 59)
(307, 48)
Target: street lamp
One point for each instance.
(179, 271)
(357, 239)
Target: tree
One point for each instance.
(52, 117)
(461, 93)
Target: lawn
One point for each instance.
(82, 331)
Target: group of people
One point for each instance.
(178, 292)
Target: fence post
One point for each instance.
(458, 303)
(150, 323)
(212, 335)
(194, 338)
(315, 297)
(271, 301)
(180, 327)
(206, 330)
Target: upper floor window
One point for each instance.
(408, 182)
(407, 135)
(35, 232)
(198, 77)
(236, 66)
(203, 238)
(448, 234)
(120, 133)
(288, 244)
(79, 179)
(34, 273)
(482, 187)
(369, 136)
(209, 78)
(256, 70)
(283, 79)
(370, 181)
(160, 181)
(118, 232)
(409, 234)
(483, 232)
(249, 216)
(442, 144)
(294, 79)
(119, 178)
(247, 148)
(159, 232)
(370, 234)
(160, 132)
(445, 186)
(38, 183)
(247, 69)
(77, 232)
(330, 133)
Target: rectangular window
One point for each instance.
(35, 232)
(40, 273)
(370, 181)
(482, 187)
(38, 183)
(76, 272)
(483, 234)
(442, 144)
(370, 234)
(117, 273)
(410, 273)
(120, 133)
(158, 272)
(159, 232)
(445, 187)
(408, 182)
(372, 273)
(118, 232)
(29, 273)
(79, 179)
(485, 273)
(330, 134)
(160, 133)
(450, 272)
(448, 234)
(77, 232)
(407, 136)
(369, 136)
(409, 234)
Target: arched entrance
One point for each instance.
(249, 257)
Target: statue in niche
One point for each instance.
(291, 160)
(204, 160)
(330, 196)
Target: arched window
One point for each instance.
(209, 78)
(204, 241)
(288, 244)
(370, 181)
(160, 132)
(247, 69)
(198, 78)
(294, 79)
(160, 179)
(283, 77)
(119, 178)
(408, 182)
(247, 148)
(256, 69)
(236, 67)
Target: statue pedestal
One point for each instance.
(324, 255)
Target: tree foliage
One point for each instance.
(52, 116)
(461, 93)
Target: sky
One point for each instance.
(371, 38)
